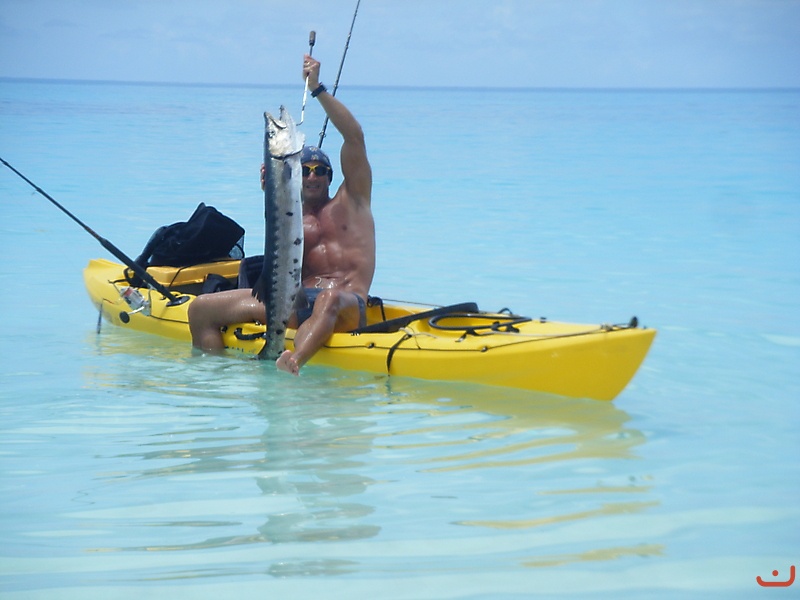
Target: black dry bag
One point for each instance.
(207, 236)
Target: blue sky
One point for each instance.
(451, 43)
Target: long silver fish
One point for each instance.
(279, 282)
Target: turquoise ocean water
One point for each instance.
(130, 465)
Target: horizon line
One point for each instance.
(658, 88)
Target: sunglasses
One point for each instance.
(318, 170)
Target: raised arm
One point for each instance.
(355, 165)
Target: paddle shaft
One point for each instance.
(131, 264)
(339, 74)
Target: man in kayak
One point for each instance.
(339, 248)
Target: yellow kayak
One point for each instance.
(456, 343)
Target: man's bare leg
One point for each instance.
(333, 311)
(210, 312)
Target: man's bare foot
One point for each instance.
(286, 362)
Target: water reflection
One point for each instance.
(243, 423)
(474, 428)
(316, 440)
(231, 453)
(503, 428)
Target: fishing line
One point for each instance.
(131, 264)
(339, 74)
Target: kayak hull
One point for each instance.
(566, 359)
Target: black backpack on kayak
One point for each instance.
(207, 236)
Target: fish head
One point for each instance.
(283, 138)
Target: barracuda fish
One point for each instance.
(279, 282)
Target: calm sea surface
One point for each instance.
(131, 467)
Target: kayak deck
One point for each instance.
(457, 343)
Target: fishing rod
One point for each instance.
(312, 39)
(339, 74)
(131, 264)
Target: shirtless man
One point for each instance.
(339, 250)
